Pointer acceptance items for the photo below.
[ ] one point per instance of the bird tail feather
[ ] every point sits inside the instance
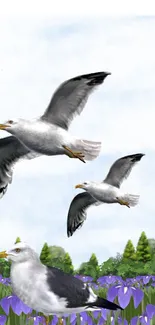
(90, 149)
(104, 303)
(131, 199)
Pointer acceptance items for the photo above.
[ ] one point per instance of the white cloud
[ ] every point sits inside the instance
(35, 56)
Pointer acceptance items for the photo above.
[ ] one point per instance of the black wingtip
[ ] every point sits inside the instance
(134, 157)
(95, 78)
(104, 303)
(137, 157)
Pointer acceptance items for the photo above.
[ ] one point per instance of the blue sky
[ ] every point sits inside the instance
(36, 55)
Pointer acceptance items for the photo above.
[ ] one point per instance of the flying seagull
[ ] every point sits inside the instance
(48, 135)
(48, 289)
(108, 191)
(11, 151)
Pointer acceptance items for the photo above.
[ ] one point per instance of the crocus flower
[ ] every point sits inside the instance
(124, 293)
(150, 310)
(6, 303)
(146, 279)
(3, 319)
(36, 320)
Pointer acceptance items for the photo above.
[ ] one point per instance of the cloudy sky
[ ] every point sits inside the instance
(37, 53)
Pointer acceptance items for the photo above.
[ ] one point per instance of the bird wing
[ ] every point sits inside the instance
(121, 169)
(11, 150)
(77, 211)
(70, 98)
(67, 286)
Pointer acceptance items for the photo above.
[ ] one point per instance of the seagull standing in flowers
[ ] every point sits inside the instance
(48, 134)
(107, 191)
(48, 289)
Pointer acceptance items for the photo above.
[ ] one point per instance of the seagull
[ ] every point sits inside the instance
(47, 289)
(107, 191)
(48, 134)
(11, 152)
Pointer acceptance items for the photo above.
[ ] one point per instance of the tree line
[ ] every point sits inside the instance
(133, 261)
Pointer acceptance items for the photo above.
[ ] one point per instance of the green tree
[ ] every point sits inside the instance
(129, 251)
(18, 240)
(5, 268)
(90, 268)
(152, 246)
(56, 256)
(143, 251)
(44, 255)
(67, 264)
(57, 252)
(110, 267)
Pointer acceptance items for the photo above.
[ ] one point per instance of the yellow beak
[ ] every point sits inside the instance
(79, 186)
(4, 126)
(3, 254)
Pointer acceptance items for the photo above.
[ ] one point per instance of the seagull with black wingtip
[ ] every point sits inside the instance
(107, 191)
(47, 289)
(48, 134)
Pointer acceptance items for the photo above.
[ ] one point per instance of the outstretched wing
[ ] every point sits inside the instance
(71, 97)
(121, 169)
(11, 150)
(77, 211)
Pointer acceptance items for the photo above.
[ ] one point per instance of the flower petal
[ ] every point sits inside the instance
(134, 320)
(3, 319)
(124, 295)
(112, 293)
(138, 296)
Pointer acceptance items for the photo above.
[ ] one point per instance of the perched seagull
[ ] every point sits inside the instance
(47, 289)
(11, 151)
(108, 191)
(48, 134)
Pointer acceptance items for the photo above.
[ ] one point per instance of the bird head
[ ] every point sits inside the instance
(11, 125)
(19, 253)
(85, 186)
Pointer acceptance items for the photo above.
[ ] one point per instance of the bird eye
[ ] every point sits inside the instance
(17, 250)
(85, 183)
(10, 122)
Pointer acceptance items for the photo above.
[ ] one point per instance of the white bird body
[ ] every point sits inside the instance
(104, 192)
(47, 289)
(43, 137)
(40, 299)
(48, 134)
(107, 191)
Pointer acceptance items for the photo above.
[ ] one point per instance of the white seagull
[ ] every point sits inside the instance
(47, 289)
(48, 134)
(11, 151)
(107, 191)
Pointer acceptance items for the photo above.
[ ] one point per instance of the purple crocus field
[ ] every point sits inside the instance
(135, 295)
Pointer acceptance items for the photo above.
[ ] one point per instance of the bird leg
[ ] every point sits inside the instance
(74, 154)
(60, 322)
(47, 320)
(120, 201)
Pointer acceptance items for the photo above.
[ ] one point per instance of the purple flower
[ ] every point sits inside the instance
(37, 319)
(5, 281)
(119, 321)
(146, 279)
(84, 278)
(3, 319)
(6, 303)
(124, 293)
(150, 310)
(16, 304)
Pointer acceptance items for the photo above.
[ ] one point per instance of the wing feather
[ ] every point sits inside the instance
(70, 98)
(121, 169)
